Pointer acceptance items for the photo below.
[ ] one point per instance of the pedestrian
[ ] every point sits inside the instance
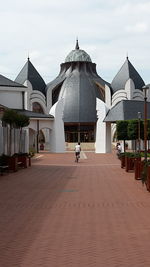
(77, 151)
(119, 149)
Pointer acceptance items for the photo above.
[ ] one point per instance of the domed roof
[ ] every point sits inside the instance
(78, 55)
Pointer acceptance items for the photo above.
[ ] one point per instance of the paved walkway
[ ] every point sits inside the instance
(59, 213)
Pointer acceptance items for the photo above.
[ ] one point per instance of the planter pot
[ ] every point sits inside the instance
(29, 159)
(138, 168)
(13, 163)
(129, 163)
(122, 161)
(23, 161)
(148, 179)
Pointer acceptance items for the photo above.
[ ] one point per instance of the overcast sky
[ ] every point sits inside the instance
(107, 30)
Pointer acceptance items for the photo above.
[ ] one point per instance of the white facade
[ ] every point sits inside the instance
(51, 128)
(103, 130)
(50, 131)
(129, 92)
(12, 97)
(57, 135)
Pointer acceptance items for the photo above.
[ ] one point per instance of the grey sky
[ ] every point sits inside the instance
(47, 30)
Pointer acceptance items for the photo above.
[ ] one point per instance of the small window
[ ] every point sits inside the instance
(37, 108)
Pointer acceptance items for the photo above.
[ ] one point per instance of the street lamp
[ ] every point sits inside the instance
(139, 131)
(145, 88)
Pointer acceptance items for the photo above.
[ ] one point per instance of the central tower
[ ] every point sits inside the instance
(79, 85)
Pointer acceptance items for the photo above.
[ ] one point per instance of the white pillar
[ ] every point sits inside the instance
(57, 134)
(26, 140)
(1, 138)
(103, 129)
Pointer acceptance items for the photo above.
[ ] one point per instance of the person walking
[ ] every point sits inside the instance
(77, 151)
(119, 149)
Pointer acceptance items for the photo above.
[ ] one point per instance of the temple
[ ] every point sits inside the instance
(77, 106)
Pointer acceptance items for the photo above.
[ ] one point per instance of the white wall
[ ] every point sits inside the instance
(107, 96)
(118, 96)
(103, 129)
(49, 98)
(57, 134)
(129, 88)
(11, 99)
(1, 139)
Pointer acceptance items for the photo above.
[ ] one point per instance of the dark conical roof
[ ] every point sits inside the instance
(9, 83)
(127, 72)
(29, 73)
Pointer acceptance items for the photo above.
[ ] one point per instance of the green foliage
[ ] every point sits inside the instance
(144, 173)
(14, 119)
(22, 121)
(10, 117)
(31, 152)
(132, 129)
(121, 155)
(128, 130)
(122, 130)
(132, 154)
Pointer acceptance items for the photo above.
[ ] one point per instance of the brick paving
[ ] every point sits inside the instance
(59, 213)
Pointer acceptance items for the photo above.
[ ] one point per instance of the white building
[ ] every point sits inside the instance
(78, 98)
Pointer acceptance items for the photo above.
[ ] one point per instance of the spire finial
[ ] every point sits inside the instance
(127, 55)
(77, 44)
(28, 56)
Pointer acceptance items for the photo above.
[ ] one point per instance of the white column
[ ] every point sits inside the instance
(1, 138)
(57, 134)
(26, 139)
(103, 129)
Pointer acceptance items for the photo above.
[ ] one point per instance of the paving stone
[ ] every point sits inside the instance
(61, 213)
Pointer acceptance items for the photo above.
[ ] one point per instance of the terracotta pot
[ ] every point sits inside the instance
(138, 168)
(148, 179)
(13, 163)
(129, 163)
(122, 161)
(23, 160)
(29, 158)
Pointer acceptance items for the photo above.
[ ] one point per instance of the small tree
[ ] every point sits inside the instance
(14, 120)
(21, 121)
(133, 130)
(9, 118)
(122, 131)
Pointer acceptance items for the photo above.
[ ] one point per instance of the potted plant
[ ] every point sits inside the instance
(13, 162)
(146, 175)
(122, 131)
(121, 156)
(138, 169)
(3, 164)
(23, 159)
(130, 158)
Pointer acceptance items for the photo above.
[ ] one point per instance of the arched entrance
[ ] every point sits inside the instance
(80, 132)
